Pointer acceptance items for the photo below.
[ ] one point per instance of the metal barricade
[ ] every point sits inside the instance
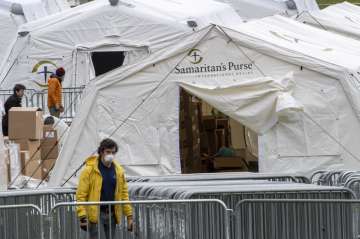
(34, 98)
(223, 176)
(348, 179)
(5, 94)
(21, 222)
(297, 219)
(165, 219)
(71, 100)
(39, 99)
(353, 183)
(42, 198)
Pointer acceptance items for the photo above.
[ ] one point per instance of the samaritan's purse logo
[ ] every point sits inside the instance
(230, 67)
(45, 69)
(195, 56)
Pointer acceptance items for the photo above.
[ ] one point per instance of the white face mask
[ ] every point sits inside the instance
(109, 158)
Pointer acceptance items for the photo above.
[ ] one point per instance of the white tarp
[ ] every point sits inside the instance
(343, 18)
(68, 38)
(253, 9)
(253, 102)
(139, 103)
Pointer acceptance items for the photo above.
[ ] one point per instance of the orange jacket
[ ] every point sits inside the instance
(54, 92)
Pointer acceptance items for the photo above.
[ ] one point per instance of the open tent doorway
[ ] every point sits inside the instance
(211, 141)
(106, 61)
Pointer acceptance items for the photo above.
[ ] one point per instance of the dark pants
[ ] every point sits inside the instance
(54, 112)
(5, 125)
(106, 224)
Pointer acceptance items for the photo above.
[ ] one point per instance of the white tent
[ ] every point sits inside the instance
(343, 18)
(34, 9)
(13, 13)
(262, 74)
(253, 9)
(70, 38)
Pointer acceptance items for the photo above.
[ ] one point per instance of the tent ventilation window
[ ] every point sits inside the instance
(106, 61)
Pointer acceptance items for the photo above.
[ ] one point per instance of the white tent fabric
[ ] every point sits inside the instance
(14, 13)
(146, 126)
(35, 9)
(343, 18)
(253, 9)
(325, 56)
(245, 73)
(8, 30)
(253, 102)
(90, 26)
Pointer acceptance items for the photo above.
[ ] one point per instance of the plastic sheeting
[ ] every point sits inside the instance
(15, 164)
(3, 163)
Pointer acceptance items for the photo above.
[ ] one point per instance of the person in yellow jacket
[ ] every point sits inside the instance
(55, 93)
(103, 180)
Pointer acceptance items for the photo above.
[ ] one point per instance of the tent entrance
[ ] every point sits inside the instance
(213, 142)
(106, 61)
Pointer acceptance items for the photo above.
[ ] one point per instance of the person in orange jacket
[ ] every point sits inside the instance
(55, 93)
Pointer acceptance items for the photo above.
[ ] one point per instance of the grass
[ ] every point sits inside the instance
(328, 2)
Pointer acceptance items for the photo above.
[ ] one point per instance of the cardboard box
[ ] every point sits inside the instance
(49, 144)
(25, 123)
(229, 162)
(28, 145)
(209, 123)
(49, 132)
(24, 157)
(47, 165)
(23, 143)
(33, 169)
(32, 146)
(49, 151)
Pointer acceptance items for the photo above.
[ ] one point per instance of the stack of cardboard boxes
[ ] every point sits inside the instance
(190, 118)
(38, 143)
(49, 149)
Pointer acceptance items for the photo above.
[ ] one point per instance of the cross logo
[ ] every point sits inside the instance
(44, 68)
(195, 56)
(45, 72)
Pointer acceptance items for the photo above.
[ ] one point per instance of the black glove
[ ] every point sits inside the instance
(83, 223)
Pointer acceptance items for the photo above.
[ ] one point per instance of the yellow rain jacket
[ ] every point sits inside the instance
(89, 190)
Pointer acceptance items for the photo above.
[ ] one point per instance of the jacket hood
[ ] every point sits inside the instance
(93, 161)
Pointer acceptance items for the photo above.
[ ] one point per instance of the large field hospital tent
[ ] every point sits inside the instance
(253, 9)
(96, 37)
(343, 18)
(300, 93)
(13, 13)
